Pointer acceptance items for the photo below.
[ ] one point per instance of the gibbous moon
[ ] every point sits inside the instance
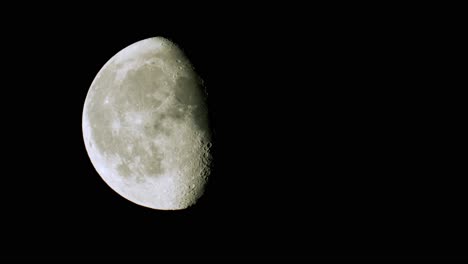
(145, 126)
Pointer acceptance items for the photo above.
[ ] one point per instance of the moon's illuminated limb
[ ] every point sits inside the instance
(145, 126)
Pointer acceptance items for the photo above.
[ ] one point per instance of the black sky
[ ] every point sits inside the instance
(334, 137)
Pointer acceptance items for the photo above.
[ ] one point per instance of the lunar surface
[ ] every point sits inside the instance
(145, 126)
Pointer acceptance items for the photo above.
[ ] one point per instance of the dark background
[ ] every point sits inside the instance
(336, 135)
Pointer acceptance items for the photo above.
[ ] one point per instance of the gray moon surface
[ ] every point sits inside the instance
(146, 128)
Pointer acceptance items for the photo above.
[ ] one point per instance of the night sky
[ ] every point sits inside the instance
(334, 137)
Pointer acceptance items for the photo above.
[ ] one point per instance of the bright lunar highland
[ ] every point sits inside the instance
(146, 128)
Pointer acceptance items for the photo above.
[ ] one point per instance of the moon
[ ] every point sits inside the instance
(146, 128)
